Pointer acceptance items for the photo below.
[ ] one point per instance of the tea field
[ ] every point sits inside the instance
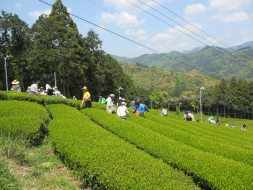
(107, 152)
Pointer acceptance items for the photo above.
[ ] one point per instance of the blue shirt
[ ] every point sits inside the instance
(140, 108)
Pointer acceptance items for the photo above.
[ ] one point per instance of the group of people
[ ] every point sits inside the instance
(243, 127)
(36, 90)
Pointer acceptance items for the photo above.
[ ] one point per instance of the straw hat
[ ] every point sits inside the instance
(84, 88)
(123, 103)
(15, 82)
(112, 95)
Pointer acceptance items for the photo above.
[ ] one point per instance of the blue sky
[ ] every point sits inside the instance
(229, 21)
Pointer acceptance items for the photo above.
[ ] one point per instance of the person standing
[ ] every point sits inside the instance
(15, 86)
(34, 88)
(122, 110)
(164, 112)
(110, 107)
(86, 98)
(139, 109)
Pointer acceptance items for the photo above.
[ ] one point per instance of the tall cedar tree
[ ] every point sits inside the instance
(14, 41)
(58, 47)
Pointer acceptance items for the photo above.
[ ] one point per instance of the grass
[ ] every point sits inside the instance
(33, 167)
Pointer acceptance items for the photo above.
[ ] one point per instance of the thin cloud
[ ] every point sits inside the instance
(35, 14)
(139, 34)
(233, 17)
(122, 19)
(224, 5)
(194, 9)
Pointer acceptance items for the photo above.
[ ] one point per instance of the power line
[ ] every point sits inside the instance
(186, 21)
(133, 41)
(229, 53)
(199, 36)
(204, 32)
(166, 23)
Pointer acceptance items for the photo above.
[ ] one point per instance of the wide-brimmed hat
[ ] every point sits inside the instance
(111, 95)
(84, 88)
(15, 82)
(123, 103)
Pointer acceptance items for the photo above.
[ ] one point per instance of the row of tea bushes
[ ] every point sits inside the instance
(215, 172)
(198, 140)
(20, 118)
(41, 99)
(105, 160)
(213, 133)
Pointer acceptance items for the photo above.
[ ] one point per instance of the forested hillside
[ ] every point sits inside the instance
(176, 83)
(219, 63)
(54, 45)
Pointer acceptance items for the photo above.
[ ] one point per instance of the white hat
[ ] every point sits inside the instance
(111, 95)
(123, 103)
(15, 82)
(84, 88)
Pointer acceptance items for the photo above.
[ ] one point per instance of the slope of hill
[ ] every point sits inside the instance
(152, 78)
(216, 61)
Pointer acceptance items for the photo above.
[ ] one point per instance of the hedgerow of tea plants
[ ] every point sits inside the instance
(41, 99)
(26, 119)
(216, 146)
(210, 170)
(106, 161)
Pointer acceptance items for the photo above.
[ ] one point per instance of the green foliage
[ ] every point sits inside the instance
(23, 119)
(14, 41)
(7, 181)
(205, 167)
(106, 161)
(152, 80)
(41, 99)
(176, 129)
(54, 45)
(214, 60)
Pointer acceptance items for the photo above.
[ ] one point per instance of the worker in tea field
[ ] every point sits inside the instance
(15, 86)
(86, 98)
(244, 127)
(122, 110)
(110, 107)
(139, 109)
(164, 112)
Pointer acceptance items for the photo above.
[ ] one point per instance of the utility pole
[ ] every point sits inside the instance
(55, 82)
(200, 101)
(6, 75)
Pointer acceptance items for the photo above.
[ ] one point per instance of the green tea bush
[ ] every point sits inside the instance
(41, 99)
(212, 171)
(25, 119)
(106, 161)
(216, 146)
(214, 133)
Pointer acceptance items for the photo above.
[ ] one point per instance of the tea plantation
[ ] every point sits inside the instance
(154, 152)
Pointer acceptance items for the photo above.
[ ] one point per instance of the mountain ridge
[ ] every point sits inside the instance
(216, 61)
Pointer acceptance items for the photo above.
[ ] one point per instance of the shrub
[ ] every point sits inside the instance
(211, 171)
(106, 161)
(25, 119)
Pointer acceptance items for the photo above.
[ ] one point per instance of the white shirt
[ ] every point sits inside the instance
(122, 111)
(164, 112)
(109, 102)
(34, 88)
(191, 115)
(48, 87)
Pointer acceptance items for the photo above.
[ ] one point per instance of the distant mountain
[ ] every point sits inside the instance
(217, 62)
(245, 45)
